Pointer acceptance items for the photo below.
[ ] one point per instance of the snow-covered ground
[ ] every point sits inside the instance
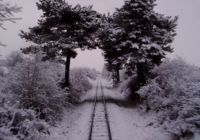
(76, 121)
(126, 122)
(75, 124)
(129, 124)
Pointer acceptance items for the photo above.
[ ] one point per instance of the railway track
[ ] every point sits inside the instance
(100, 126)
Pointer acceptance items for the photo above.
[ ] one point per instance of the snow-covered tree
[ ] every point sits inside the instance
(111, 37)
(148, 36)
(7, 14)
(34, 84)
(14, 58)
(61, 30)
(29, 96)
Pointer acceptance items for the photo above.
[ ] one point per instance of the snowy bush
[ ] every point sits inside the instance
(174, 94)
(106, 74)
(14, 58)
(90, 73)
(80, 81)
(5, 134)
(31, 99)
(21, 124)
(124, 86)
(1, 81)
(2, 73)
(35, 85)
(25, 125)
(127, 83)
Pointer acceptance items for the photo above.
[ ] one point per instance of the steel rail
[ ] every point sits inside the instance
(106, 112)
(93, 112)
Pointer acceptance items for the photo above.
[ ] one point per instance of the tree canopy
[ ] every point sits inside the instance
(141, 37)
(62, 29)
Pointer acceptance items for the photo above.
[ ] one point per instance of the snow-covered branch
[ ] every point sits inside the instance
(7, 12)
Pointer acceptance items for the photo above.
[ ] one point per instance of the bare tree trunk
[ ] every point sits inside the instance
(118, 76)
(67, 70)
(142, 74)
(113, 76)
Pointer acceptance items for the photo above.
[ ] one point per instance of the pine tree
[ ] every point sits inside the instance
(61, 30)
(110, 37)
(148, 36)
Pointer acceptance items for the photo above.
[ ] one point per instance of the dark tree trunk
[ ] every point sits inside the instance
(113, 76)
(142, 74)
(117, 76)
(67, 69)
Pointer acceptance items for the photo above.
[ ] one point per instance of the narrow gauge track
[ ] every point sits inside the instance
(100, 126)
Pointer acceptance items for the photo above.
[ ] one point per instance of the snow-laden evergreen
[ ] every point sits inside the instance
(62, 29)
(111, 38)
(137, 38)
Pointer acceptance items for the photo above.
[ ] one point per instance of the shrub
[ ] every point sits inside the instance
(106, 74)
(21, 124)
(30, 99)
(14, 58)
(124, 86)
(174, 94)
(35, 85)
(80, 83)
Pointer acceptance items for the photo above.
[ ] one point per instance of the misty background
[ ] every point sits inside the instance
(186, 42)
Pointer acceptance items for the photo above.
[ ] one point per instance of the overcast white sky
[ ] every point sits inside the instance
(186, 43)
